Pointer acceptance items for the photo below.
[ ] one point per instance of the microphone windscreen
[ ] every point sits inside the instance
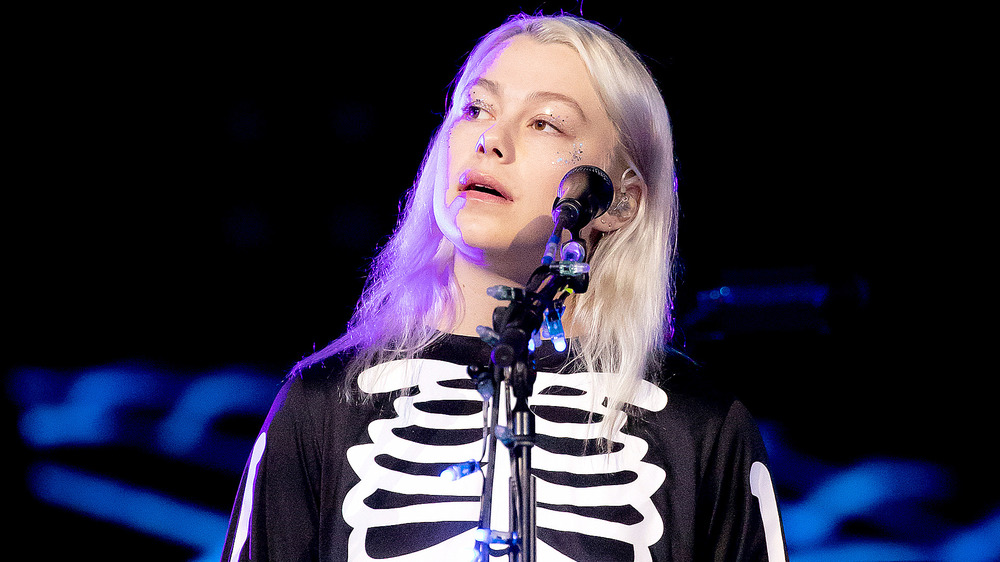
(590, 187)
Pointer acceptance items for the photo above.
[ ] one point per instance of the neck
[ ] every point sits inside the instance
(477, 306)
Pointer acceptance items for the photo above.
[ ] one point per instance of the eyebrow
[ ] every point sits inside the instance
(540, 95)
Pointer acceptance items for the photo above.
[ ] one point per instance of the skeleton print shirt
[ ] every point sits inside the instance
(331, 479)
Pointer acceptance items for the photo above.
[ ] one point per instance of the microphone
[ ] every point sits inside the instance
(585, 192)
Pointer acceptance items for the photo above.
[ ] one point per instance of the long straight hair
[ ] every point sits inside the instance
(624, 321)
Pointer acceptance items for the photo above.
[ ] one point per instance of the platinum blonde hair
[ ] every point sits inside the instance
(624, 320)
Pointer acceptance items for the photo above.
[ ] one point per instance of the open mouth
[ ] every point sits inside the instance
(484, 189)
(476, 182)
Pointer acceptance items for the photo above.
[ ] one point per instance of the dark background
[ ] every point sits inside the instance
(196, 188)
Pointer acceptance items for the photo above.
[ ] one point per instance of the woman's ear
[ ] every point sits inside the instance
(625, 205)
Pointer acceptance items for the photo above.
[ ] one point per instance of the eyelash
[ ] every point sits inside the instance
(476, 106)
(472, 109)
(547, 122)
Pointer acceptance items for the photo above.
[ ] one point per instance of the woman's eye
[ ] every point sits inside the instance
(543, 125)
(476, 110)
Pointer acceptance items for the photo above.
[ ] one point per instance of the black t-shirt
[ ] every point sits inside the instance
(333, 479)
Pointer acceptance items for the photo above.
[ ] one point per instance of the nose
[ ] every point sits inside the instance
(491, 142)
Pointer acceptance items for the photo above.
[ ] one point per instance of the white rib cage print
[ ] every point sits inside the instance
(593, 506)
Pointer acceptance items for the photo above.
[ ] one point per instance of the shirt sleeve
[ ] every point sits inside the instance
(276, 509)
(737, 499)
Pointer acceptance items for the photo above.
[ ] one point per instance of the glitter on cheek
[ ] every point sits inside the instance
(574, 156)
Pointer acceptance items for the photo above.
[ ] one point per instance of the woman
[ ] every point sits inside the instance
(636, 458)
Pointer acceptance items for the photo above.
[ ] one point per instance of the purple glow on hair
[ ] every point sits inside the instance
(446, 216)
(412, 291)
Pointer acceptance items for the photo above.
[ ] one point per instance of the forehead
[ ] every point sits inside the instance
(524, 67)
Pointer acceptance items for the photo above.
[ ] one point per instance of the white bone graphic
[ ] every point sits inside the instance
(425, 375)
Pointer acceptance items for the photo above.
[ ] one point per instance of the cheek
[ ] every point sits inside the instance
(570, 157)
(463, 139)
(551, 159)
(573, 153)
(580, 152)
(454, 168)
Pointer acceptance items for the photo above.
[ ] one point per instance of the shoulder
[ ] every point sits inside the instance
(321, 380)
(701, 410)
(308, 394)
(689, 386)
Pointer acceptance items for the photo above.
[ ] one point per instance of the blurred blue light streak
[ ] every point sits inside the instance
(145, 511)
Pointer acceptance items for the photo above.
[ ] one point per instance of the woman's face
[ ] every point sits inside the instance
(527, 120)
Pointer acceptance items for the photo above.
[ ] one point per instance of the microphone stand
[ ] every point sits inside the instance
(516, 331)
(584, 192)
